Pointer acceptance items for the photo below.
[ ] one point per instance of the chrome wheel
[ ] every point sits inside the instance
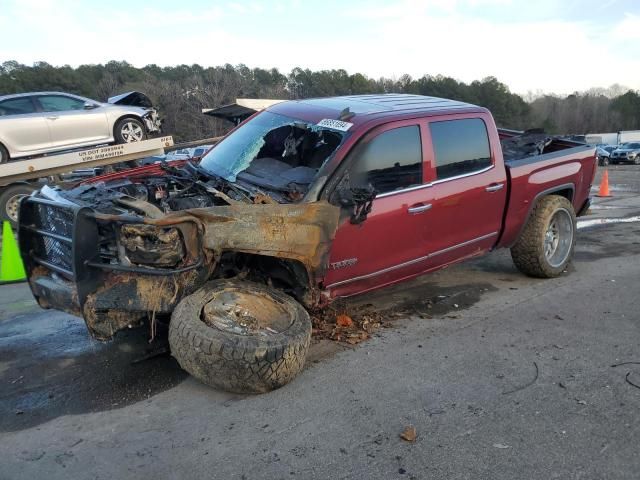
(558, 238)
(11, 207)
(131, 132)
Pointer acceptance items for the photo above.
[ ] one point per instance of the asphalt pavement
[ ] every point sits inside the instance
(502, 377)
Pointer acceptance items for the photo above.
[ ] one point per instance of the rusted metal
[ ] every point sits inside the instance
(150, 245)
(301, 232)
(246, 312)
(125, 299)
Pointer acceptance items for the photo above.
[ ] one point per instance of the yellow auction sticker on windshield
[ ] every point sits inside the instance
(335, 124)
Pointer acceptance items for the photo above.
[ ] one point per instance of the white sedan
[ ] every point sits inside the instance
(45, 122)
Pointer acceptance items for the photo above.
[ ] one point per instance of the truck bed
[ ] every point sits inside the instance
(556, 147)
(565, 167)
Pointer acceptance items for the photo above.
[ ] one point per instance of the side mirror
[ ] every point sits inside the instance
(90, 106)
(359, 200)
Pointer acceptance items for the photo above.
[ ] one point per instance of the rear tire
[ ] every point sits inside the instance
(546, 245)
(129, 130)
(240, 336)
(10, 201)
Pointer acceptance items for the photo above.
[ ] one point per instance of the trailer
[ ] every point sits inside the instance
(626, 136)
(19, 178)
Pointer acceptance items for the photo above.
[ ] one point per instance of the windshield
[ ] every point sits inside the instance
(631, 145)
(273, 151)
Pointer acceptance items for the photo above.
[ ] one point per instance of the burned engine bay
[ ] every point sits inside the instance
(279, 171)
(245, 198)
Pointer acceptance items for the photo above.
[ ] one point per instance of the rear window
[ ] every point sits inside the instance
(17, 106)
(390, 161)
(460, 146)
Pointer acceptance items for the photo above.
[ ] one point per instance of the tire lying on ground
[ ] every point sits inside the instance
(546, 244)
(240, 336)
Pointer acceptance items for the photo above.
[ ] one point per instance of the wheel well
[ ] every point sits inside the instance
(6, 150)
(566, 193)
(124, 117)
(290, 276)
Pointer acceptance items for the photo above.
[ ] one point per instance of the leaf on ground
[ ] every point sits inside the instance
(409, 434)
(343, 320)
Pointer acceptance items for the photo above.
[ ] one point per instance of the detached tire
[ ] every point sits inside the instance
(546, 244)
(240, 336)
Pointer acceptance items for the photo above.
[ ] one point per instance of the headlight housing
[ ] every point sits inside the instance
(151, 245)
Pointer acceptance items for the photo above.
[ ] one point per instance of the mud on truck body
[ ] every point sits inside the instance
(302, 203)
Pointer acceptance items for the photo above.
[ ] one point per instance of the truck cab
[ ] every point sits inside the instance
(440, 196)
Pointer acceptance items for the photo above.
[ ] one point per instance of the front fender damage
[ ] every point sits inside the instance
(301, 232)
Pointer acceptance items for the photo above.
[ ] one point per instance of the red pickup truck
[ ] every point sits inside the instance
(304, 202)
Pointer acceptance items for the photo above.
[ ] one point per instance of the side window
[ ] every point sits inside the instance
(17, 106)
(460, 147)
(58, 103)
(391, 161)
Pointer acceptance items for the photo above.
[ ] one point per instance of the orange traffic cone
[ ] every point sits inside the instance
(604, 185)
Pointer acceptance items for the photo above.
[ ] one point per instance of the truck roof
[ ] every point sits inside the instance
(366, 107)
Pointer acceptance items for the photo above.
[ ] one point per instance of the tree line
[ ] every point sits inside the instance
(181, 92)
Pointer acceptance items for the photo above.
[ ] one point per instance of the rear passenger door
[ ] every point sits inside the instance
(389, 244)
(468, 189)
(22, 129)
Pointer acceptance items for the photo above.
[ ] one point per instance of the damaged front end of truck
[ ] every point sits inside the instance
(119, 250)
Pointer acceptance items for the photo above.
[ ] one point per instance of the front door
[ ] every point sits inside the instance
(389, 244)
(71, 123)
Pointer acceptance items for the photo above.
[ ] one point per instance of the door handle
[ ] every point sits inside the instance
(53, 118)
(419, 208)
(495, 187)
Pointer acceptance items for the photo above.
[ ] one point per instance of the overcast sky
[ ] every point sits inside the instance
(554, 46)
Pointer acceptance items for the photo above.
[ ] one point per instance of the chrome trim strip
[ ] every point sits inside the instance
(436, 182)
(464, 175)
(415, 260)
(404, 190)
(463, 244)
